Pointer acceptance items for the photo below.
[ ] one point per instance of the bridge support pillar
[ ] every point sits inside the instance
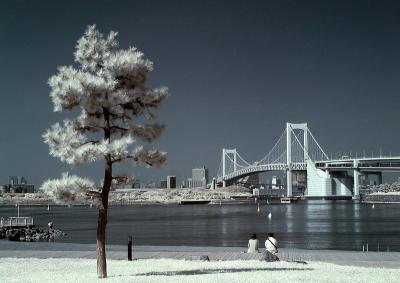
(289, 183)
(356, 186)
(356, 177)
(289, 159)
(379, 178)
(224, 184)
(213, 184)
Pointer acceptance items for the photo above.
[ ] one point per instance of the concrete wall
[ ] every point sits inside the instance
(342, 184)
(319, 183)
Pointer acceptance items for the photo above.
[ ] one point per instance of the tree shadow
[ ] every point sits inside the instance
(215, 271)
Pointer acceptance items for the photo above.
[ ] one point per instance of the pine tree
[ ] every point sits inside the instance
(108, 88)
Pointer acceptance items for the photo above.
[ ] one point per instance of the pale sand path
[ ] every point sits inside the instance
(67, 250)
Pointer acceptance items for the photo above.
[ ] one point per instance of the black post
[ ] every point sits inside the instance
(130, 248)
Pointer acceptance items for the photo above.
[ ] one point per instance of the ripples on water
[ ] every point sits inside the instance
(310, 225)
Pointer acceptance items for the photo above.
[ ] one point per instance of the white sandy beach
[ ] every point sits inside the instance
(172, 270)
(63, 262)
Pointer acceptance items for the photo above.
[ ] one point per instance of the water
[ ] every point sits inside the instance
(309, 225)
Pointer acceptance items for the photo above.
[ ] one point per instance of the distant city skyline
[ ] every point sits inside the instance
(237, 72)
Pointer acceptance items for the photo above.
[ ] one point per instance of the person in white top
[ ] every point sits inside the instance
(271, 244)
(252, 246)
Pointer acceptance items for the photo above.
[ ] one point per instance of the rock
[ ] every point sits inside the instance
(29, 233)
(204, 258)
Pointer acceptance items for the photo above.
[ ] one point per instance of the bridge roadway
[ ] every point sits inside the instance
(373, 164)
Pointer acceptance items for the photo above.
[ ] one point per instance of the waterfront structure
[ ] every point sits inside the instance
(163, 184)
(171, 182)
(298, 152)
(17, 184)
(275, 182)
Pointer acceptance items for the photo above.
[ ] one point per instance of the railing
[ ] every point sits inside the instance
(16, 221)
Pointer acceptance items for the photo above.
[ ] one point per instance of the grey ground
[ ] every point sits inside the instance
(67, 250)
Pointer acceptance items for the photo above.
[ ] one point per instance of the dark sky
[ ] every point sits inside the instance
(237, 72)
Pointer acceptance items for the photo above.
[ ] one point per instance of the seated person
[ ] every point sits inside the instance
(271, 244)
(271, 249)
(253, 244)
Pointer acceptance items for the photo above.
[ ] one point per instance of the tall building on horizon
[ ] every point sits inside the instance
(199, 177)
(17, 184)
(171, 182)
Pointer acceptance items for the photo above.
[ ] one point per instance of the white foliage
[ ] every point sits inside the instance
(71, 87)
(147, 132)
(110, 89)
(129, 64)
(152, 157)
(92, 49)
(71, 146)
(68, 189)
(90, 121)
(118, 149)
(154, 98)
(88, 152)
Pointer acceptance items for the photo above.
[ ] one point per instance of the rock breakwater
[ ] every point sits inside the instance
(29, 234)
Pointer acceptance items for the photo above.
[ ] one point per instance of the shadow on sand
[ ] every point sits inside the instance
(219, 270)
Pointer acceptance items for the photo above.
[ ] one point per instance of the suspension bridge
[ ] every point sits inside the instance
(298, 152)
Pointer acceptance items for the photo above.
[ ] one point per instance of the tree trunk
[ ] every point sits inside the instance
(103, 206)
(101, 243)
(102, 222)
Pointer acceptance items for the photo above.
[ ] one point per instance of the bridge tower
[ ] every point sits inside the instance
(289, 131)
(225, 155)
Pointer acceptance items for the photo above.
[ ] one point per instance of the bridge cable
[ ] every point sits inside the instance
(262, 160)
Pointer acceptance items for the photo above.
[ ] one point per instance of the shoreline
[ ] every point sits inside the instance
(211, 202)
(119, 252)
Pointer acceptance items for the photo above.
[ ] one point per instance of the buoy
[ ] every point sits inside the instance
(91, 205)
(48, 207)
(269, 216)
(258, 208)
(373, 205)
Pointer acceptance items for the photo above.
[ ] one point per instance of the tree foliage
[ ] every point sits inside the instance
(108, 83)
(116, 112)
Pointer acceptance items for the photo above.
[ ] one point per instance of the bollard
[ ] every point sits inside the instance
(130, 248)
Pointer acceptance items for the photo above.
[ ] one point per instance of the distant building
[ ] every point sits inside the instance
(18, 184)
(136, 185)
(171, 182)
(299, 178)
(256, 192)
(276, 182)
(189, 183)
(199, 178)
(150, 185)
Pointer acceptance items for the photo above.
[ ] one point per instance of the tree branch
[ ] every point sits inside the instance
(118, 128)
(89, 128)
(92, 142)
(120, 159)
(94, 194)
